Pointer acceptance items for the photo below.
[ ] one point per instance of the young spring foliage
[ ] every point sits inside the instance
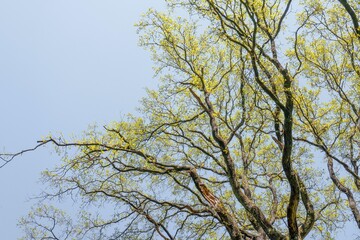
(253, 132)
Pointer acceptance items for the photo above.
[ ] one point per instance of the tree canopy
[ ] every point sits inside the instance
(253, 132)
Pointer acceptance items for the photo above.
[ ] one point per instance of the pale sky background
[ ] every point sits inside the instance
(64, 64)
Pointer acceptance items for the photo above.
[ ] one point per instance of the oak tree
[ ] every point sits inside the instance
(253, 132)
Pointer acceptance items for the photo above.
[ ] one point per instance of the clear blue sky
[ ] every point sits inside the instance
(63, 65)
